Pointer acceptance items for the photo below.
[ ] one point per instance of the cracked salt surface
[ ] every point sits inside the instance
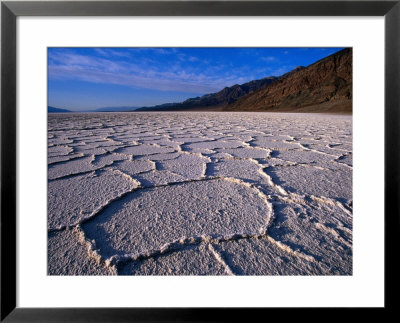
(149, 219)
(199, 194)
(74, 199)
(68, 255)
(193, 260)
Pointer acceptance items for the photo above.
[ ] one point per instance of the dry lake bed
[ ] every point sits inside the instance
(199, 193)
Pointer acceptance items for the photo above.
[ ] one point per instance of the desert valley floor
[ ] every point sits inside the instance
(199, 193)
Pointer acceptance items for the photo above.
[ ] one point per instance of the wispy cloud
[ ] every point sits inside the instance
(268, 58)
(107, 52)
(69, 65)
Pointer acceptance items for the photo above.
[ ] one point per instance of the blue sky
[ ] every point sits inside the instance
(89, 78)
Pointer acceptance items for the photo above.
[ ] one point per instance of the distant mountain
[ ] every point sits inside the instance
(56, 110)
(325, 86)
(114, 109)
(222, 98)
(159, 107)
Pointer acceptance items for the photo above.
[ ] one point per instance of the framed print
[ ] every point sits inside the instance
(195, 151)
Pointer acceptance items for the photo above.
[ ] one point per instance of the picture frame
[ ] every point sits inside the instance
(10, 10)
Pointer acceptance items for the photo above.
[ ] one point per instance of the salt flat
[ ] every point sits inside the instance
(199, 193)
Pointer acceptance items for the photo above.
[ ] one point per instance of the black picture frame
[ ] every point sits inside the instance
(10, 10)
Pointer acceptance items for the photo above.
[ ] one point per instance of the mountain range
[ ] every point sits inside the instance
(226, 96)
(324, 86)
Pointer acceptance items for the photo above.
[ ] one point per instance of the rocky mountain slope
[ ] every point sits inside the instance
(325, 86)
